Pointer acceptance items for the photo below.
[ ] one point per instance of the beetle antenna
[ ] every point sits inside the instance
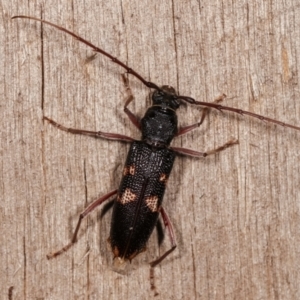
(152, 85)
(237, 110)
(149, 84)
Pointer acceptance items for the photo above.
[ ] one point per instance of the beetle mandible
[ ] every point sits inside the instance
(138, 200)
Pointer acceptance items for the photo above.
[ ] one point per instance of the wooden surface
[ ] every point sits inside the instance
(236, 215)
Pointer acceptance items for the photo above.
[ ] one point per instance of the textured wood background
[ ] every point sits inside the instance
(236, 215)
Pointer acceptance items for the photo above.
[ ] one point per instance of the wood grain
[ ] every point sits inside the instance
(236, 215)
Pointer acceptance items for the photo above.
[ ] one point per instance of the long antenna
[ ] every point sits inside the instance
(238, 111)
(149, 84)
(152, 85)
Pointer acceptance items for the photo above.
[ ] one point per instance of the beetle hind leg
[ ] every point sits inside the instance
(169, 226)
(89, 209)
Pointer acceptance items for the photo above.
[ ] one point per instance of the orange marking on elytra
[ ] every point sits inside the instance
(163, 178)
(129, 170)
(152, 203)
(126, 197)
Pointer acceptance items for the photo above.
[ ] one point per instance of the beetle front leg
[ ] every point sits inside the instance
(89, 209)
(205, 110)
(132, 117)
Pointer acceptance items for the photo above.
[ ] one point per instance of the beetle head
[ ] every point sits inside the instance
(166, 97)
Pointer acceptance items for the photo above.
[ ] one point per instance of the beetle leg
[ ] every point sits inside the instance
(194, 153)
(96, 134)
(205, 110)
(89, 209)
(132, 117)
(169, 226)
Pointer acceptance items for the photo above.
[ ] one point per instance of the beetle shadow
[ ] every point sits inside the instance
(160, 232)
(106, 207)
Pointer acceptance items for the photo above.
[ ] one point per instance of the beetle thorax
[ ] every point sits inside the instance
(159, 126)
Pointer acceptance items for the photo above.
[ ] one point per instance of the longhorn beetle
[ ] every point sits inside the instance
(138, 200)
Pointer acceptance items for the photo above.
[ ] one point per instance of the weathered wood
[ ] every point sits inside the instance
(236, 215)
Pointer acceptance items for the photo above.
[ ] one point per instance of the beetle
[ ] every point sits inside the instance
(138, 200)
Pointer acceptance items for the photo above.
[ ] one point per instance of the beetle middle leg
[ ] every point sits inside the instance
(194, 153)
(96, 134)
